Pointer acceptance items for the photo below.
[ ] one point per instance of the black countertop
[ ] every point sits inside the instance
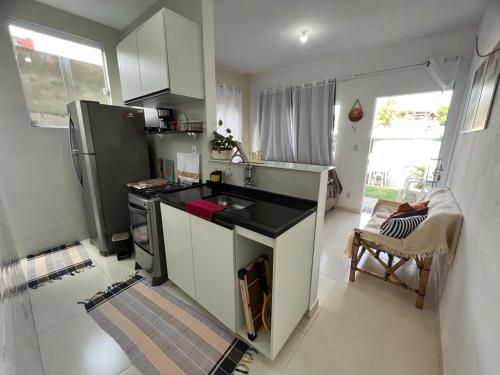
(271, 215)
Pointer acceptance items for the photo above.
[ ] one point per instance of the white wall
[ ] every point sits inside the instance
(470, 303)
(296, 183)
(37, 184)
(188, 8)
(351, 164)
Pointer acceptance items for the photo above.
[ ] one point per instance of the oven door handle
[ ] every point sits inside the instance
(136, 208)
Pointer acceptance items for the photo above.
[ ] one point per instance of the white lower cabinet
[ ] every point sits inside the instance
(203, 259)
(178, 249)
(213, 253)
(200, 261)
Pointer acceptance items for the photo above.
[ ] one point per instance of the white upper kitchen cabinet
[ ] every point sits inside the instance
(128, 64)
(213, 254)
(185, 55)
(151, 44)
(169, 58)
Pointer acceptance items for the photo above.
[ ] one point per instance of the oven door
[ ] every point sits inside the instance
(140, 227)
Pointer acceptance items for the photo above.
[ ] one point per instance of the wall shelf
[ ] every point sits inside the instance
(282, 165)
(189, 133)
(177, 132)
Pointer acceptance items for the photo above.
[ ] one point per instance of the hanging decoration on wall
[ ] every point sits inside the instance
(356, 112)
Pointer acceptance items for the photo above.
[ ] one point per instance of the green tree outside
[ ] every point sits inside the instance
(386, 114)
(442, 115)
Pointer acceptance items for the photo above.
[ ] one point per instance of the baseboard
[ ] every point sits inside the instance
(437, 280)
(440, 342)
(312, 310)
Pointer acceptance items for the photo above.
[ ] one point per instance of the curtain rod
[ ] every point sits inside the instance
(383, 71)
(394, 69)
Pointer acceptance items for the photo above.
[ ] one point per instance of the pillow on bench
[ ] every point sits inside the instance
(402, 226)
(417, 212)
(409, 209)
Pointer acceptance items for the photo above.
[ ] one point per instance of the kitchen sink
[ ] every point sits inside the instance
(230, 201)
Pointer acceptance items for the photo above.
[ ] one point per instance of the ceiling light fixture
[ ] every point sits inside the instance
(303, 36)
(27, 59)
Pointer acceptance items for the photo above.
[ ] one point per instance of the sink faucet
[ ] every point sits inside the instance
(248, 177)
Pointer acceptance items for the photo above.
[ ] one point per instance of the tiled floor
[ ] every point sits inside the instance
(364, 328)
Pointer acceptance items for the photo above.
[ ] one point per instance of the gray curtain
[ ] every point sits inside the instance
(296, 124)
(313, 118)
(277, 135)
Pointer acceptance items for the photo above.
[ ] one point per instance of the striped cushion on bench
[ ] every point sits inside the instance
(401, 227)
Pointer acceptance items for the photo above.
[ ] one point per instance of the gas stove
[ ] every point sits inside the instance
(154, 193)
(146, 228)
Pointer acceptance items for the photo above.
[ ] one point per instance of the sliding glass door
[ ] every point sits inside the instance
(404, 157)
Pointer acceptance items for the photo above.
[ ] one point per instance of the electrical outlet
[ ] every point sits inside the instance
(193, 149)
(355, 148)
(348, 195)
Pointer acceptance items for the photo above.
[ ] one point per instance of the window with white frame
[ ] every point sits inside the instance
(229, 110)
(55, 69)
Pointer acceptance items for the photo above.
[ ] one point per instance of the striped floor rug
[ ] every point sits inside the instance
(56, 262)
(163, 335)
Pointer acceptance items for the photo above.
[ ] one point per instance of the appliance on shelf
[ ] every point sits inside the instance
(146, 228)
(108, 149)
(165, 115)
(162, 120)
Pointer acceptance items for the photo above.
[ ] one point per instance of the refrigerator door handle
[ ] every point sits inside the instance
(72, 147)
(74, 152)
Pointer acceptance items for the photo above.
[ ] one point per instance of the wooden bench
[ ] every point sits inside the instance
(439, 233)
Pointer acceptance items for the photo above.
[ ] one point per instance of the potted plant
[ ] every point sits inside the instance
(222, 146)
(418, 174)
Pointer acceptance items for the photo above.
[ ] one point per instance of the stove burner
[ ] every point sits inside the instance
(156, 191)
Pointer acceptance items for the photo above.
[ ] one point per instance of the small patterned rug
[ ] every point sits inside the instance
(56, 262)
(163, 335)
(12, 280)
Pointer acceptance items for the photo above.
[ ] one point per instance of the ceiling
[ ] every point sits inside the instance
(258, 35)
(114, 13)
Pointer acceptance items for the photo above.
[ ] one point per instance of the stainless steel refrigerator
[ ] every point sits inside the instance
(109, 150)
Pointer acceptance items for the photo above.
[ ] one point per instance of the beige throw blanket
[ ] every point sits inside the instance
(439, 233)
